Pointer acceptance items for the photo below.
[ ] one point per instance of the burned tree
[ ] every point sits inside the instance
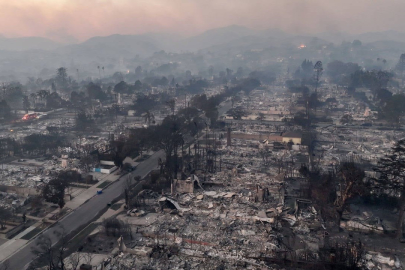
(116, 227)
(392, 178)
(170, 138)
(350, 184)
(322, 191)
(318, 68)
(265, 154)
(50, 253)
(130, 190)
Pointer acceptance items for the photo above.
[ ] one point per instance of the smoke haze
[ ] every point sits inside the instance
(77, 20)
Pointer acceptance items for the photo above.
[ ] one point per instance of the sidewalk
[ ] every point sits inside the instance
(88, 193)
(13, 245)
(10, 247)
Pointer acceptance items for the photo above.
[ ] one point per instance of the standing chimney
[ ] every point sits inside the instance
(228, 138)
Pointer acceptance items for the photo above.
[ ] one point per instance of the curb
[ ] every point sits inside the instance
(57, 221)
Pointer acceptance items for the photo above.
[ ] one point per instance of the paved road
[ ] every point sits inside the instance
(85, 213)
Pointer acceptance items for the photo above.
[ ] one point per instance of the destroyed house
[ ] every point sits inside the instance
(7, 146)
(185, 186)
(293, 136)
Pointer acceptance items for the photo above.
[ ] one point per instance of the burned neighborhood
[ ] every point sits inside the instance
(230, 148)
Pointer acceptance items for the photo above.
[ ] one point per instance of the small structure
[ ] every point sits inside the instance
(142, 251)
(64, 161)
(106, 166)
(185, 186)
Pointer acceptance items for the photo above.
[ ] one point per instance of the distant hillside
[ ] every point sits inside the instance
(227, 46)
(379, 36)
(27, 43)
(122, 44)
(215, 37)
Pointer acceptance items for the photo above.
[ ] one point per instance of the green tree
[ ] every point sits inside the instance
(237, 113)
(340, 72)
(5, 110)
(394, 109)
(5, 214)
(121, 87)
(248, 85)
(138, 71)
(94, 91)
(83, 121)
(138, 85)
(400, 67)
(54, 191)
(356, 43)
(144, 103)
(26, 103)
(54, 101)
(62, 77)
(164, 81)
(307, 68)
(383, 95)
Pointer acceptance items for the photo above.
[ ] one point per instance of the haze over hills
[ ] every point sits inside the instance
(33, 56)
(27, 43)
(146, 44)
(115, 44)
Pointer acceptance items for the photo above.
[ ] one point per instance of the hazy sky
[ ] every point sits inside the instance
(81, 19)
